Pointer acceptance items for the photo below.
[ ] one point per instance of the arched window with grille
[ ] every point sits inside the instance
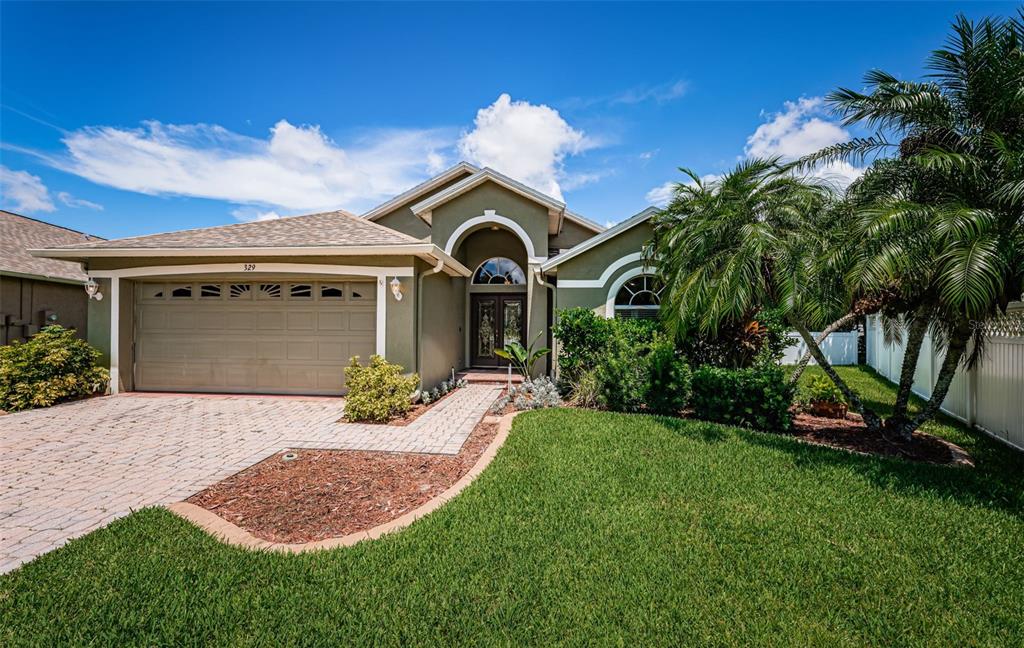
(639, 297)
(499, 271)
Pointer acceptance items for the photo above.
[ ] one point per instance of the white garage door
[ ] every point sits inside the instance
(266, 336)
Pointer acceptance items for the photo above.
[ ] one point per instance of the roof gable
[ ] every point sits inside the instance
(459, 170)
(606, 235)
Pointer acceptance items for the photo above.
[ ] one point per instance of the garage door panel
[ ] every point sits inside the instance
(247, 344)
(362, 321)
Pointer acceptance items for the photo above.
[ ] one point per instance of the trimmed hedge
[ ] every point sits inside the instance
(759, 397)
(377, 392)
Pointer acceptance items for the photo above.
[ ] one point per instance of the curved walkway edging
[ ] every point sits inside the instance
(233, 534)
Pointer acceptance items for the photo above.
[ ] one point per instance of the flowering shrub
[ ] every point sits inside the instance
(50, 367)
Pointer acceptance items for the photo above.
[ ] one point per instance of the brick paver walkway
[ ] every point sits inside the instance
(69, 469)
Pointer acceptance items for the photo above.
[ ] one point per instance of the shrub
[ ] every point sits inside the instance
(820, 389)
(377, 392)
(668, 383)
(531, 394)
(587, 389)
(623, 374)
(582, 340)
(50, 367)
(758, 397)
(758, 339)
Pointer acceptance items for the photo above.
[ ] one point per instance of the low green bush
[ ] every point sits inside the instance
(51, 367)
(759, 397)
(821, 389)
(642, 371)
(582, 340)
(668, 386)
(377, 392)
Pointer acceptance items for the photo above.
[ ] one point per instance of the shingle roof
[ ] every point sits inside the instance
(18, 234)
(327, 229)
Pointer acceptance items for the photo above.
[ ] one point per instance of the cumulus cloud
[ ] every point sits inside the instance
(23, 192)
(801, 129)
(77, 203)
(295, 168)
(526, 141)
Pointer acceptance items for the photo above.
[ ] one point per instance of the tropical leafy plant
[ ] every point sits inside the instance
(523, 359)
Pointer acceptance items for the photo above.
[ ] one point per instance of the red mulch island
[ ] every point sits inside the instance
(851, 434)
(332, 493)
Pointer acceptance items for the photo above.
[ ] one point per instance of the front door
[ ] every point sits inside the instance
(496, 320)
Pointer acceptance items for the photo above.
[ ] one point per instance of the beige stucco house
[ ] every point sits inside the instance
(435, 279)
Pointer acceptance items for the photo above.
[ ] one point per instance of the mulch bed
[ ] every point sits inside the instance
(332, 493)
(851, 434)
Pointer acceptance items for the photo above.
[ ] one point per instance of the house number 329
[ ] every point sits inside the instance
(248, 267)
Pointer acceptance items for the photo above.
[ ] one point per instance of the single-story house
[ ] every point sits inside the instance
(435, 279)
(36, 291)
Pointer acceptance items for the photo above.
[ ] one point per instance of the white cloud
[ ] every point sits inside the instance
(75, 203)
(525, 141)
(252, 215)
(799, 130)
(23, 192)
(296, 168)
(661, 93)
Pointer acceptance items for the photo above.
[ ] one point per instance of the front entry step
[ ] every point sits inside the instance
(488, 376)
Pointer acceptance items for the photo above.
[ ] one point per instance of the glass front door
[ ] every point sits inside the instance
(496, 320)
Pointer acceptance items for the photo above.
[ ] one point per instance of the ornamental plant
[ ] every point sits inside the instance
(758, 397)
(51, 367)
(379, 391)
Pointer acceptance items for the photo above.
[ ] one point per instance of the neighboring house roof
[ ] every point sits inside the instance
(327, 233)
(594, 241)
(460, 169)
(19, 234)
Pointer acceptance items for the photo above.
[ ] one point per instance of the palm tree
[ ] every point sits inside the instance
(759, 237)
(942, 223)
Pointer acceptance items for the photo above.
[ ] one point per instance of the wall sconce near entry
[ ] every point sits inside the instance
(93, 289)
(396, 289)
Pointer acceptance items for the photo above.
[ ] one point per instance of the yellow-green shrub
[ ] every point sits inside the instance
(50, 367)
(377, 392)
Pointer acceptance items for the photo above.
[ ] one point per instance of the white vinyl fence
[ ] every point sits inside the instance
(839, 349)
(990, 396)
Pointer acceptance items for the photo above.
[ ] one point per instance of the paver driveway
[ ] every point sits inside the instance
(69, 469)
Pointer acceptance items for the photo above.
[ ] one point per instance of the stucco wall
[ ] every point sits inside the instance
(590, 265)
(530, 216)
(402, 219)
(572, 234)
(442, 334)
(27, 299)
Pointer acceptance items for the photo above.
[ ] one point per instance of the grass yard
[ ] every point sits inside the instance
(588, 528)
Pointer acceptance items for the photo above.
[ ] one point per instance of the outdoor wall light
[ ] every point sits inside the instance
(396, 289)
(93, 289)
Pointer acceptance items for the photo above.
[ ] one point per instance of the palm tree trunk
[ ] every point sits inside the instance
(829, 330)
(955, 350)
(871, 419)
(897, 423)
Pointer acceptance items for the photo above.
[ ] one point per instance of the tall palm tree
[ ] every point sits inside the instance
(942, 223)
(758, 237)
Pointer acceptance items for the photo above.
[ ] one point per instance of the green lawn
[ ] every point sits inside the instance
(589, 528)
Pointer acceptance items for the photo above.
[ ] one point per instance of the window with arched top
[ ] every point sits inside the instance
(639, 297)
(499, 271)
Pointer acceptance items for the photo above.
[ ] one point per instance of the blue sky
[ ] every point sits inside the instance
(124, 119)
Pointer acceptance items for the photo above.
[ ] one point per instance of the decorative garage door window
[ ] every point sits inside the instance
(639, 297)
(499, 271)
(334, 291)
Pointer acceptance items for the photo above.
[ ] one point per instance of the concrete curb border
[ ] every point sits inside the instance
(233, 534)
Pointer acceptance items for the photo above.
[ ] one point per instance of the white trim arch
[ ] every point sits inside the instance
(490, 217)
(609, 304)
(605, 276)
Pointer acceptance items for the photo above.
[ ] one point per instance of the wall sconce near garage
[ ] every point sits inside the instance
(396, 289)
(93, 289)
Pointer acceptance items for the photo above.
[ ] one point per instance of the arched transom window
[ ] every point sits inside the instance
(639, 297)
(499, 271)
